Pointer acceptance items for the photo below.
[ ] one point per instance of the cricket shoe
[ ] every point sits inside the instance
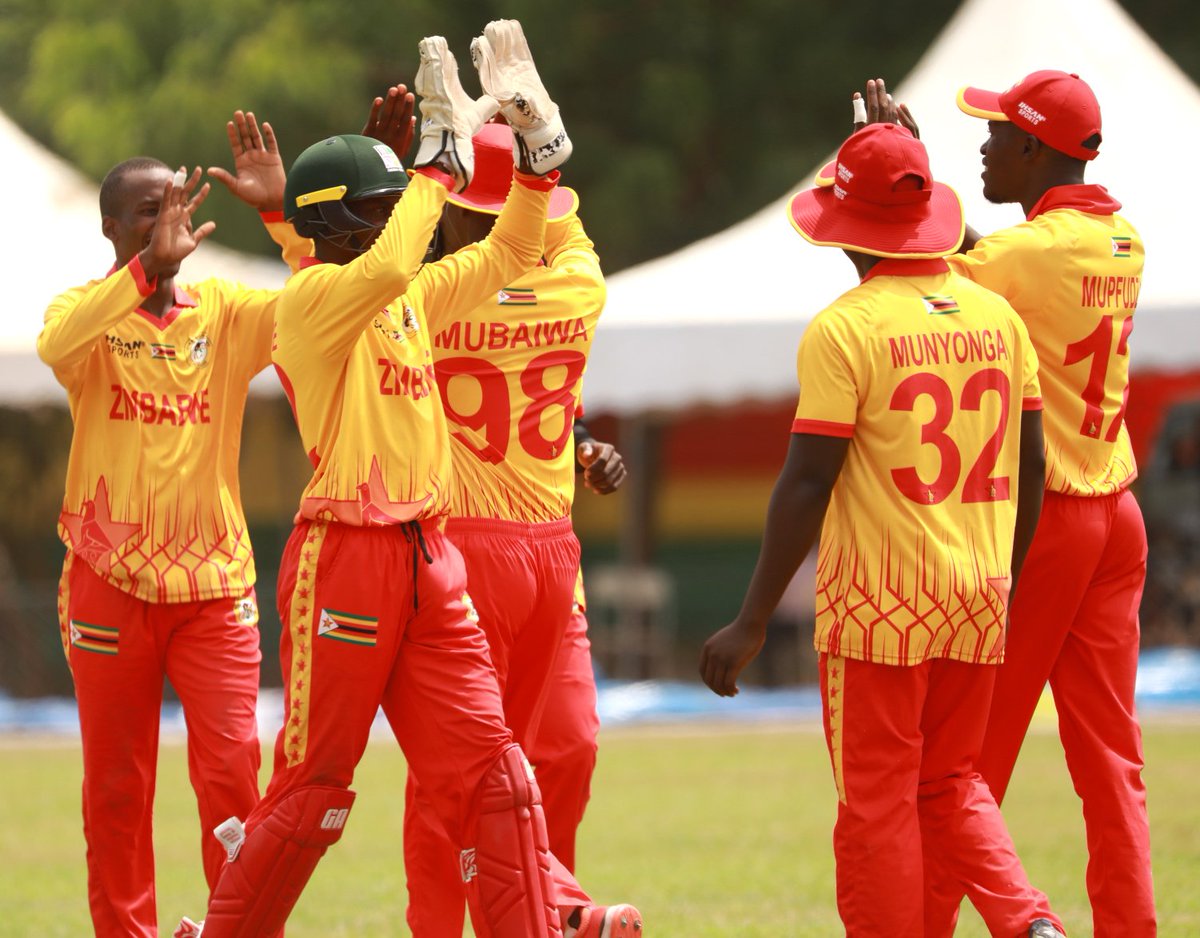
(607, 921)
(188, 929)
(1044, 928)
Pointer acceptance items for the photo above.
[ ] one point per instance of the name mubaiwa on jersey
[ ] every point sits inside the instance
(476, 336)
(944, 348)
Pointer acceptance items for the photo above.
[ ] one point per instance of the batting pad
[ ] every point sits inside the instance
(256, 892)
(510, 891)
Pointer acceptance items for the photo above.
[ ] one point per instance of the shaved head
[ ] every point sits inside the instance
(112, 188)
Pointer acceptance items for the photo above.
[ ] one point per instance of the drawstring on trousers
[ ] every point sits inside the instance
(415, 536)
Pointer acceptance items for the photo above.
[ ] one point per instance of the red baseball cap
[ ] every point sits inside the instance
(879, 197)
(1058, 108)
(493, 177)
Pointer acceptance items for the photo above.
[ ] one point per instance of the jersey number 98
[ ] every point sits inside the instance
(491, 421)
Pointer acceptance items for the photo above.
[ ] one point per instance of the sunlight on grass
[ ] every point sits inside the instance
(711, 831)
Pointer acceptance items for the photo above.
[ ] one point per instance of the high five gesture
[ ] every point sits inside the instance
(173, 238)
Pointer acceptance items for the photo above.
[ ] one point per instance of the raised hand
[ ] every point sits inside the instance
(173, 238)
(881, 108)
(449, 117)
(260, 176)
(506, 72)
(391, 120)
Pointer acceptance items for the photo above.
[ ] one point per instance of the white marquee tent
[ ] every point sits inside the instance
(52, 241)
(719, 321)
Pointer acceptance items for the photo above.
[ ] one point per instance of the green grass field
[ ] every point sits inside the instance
(713, 831)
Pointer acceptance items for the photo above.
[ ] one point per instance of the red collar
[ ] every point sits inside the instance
(905, 267)
(181, 301)
(310, 261)
(1092, 199)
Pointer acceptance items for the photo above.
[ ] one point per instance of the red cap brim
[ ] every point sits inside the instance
(980, 103)
(821, 217)
(826, 174)
(563, 202)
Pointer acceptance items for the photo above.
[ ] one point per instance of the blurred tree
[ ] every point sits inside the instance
(687, 116)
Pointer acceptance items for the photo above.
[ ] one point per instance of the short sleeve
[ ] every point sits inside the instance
(1031, 388)
(828, 368)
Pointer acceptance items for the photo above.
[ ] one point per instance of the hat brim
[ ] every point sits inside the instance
(821, 218)
(564, 201)
(826, 175)
(980, 103)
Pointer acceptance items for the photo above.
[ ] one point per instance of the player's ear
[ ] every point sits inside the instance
(108, 227)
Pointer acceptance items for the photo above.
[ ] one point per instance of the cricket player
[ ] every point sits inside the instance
(510, 372)
(159, 577)
(563, 753)
(917, 452)
(1072, 271)
(372, 593)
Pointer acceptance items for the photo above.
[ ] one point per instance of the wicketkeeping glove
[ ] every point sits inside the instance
(449, 118)
(507, 73)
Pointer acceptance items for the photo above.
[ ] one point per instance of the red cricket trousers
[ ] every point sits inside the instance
(902, 741)
(564, 752)
(355, 638)
(119, 649)
(1075, 623)
(368, 623)
(522, 582)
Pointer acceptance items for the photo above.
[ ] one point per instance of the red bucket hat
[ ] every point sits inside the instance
(1058, 108)
(493, 177)
(879, 197)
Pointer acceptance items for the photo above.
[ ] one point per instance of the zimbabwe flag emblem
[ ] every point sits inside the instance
(165, 352)
(100, 639)
(1121, 246)
(940, 305)
(516, 296)
(348, 627)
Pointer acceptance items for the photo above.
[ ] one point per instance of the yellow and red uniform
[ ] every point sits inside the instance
(924, 572)
(366, 622)
(159, 574)
(167, 394)
(926, 375)
(1072, 271)
(510, 372)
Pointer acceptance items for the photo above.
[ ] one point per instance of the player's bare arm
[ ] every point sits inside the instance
(392, 119)
(970, 237)
(173, 237)
(258, 178)
(794, 519)
(1031, 483)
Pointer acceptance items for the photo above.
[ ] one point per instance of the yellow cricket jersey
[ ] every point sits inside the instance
(1073, 271)
(152, 500)
(510, 372)
(353, 351)
(926, 374)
